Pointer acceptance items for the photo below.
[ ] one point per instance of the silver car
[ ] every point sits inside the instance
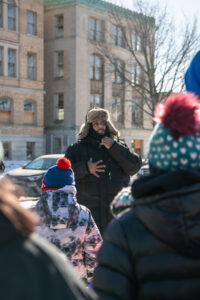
(29, 177)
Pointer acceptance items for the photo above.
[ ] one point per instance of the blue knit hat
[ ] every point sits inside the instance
(192, 75)
(175, 141)
(60, 175)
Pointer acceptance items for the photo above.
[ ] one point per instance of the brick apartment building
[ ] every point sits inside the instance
(77, 76)
(21, 78)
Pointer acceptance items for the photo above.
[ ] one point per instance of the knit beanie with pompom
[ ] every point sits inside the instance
(60, 175)
(175, 141)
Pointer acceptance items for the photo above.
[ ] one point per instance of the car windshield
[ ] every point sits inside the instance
(41, 163)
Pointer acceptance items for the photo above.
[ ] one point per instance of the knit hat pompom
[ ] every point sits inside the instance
(175, 141)
(180, 113)
(63, 163)
(59, 175)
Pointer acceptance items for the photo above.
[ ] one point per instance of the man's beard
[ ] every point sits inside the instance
(98, 136)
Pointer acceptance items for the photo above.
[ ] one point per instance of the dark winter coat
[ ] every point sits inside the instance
(97, 193)
(33, 269)
(152, 251)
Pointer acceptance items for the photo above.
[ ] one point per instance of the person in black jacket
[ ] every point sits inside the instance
(31, 268)
(102, 165)
(152, 251)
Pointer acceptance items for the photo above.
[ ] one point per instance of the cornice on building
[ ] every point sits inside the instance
(100, 5)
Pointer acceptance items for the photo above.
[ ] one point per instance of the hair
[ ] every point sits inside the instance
(23, 220)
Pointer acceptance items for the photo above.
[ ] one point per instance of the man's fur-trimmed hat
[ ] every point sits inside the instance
(97, 114)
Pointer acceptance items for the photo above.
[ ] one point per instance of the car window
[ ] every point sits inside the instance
(41, 164)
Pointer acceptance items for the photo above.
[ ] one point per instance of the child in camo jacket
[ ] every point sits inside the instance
(65, 223)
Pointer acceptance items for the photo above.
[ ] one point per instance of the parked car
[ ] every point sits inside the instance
(29, 177)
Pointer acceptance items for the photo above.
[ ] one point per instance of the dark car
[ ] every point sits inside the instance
(29, 177)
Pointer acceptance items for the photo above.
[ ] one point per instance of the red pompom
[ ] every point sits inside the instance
(63, 163)
(180, 113)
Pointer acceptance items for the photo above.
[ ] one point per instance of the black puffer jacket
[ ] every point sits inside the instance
(33, 269)
(152, 251)
(97, 193)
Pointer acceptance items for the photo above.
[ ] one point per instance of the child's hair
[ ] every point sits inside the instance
(23, 220)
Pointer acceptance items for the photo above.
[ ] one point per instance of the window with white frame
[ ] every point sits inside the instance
(118, 71)
(95, 100)
(135, 74)
(59, 26)
(8, 60)
(29, 111)
(117, 109)
(12, 62)
(11, 14)
(117, 36)
(136, 41)
(1, 13)
(30, 150)
(1, 61)
(31, 22)
(31, 66)
(5, 110)
(59, 105)
(96, 33)
(59, 61)
(96, 67)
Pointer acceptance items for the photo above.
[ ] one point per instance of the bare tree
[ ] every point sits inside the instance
(159, 54)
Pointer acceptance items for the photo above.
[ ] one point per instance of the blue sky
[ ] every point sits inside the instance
(176, 7)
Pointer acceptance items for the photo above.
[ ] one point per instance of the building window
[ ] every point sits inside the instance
(136, 74)
(136, 42)
(59, 63)
(59, 26)
(59, 104)
(118, 71)
(136, 114)
(96, 67)
(11, 62)
(11, 15)
(31, 66)
(117, 36)
(1, 61)
(30, 150)
(96, 30)
(31, 22)
(117, 109)
(29, 111)
(5, 110)
(95, 100)
(1, 13)
(7, 150)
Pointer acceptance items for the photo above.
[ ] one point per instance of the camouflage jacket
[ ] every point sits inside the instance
(70, 227)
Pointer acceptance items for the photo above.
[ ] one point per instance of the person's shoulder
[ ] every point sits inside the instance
(57, 265)
(84, 210)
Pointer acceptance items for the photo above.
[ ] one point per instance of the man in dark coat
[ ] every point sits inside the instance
(102, 165)
(152, 251)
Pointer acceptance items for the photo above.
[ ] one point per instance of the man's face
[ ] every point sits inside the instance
(99, 126)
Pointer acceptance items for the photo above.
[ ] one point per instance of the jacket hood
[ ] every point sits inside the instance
(169, 206)
(192, 76)
(58, 208)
